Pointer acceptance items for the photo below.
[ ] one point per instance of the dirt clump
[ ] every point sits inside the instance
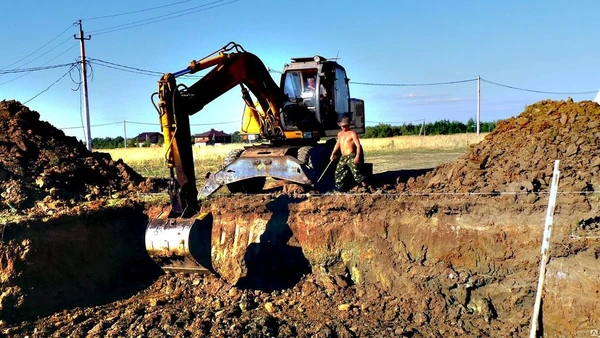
(518, 156)
(39, 164)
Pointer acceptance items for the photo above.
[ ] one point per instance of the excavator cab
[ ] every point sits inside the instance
(321, 86)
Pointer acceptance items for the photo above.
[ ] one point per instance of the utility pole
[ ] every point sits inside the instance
(478, 102)
(81, 38)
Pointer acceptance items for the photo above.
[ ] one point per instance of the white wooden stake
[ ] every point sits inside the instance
(125, 133)
(545, 246)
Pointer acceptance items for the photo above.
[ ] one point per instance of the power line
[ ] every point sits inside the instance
(43, 64)
(143, 123)
(134, 12)
(193, 124)
(125, 68)
(538, 91)
(95, 125)
(50, 86)
(134, 70)
(35, 69)
(35, 51)
(212, 124)
(396, 123)
(48, 51)
(148, 124)
(161, 17)
(411, 84)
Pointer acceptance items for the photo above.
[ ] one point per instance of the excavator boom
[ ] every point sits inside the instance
(176, 240)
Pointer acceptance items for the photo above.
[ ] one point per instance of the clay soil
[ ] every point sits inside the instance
(452, 251)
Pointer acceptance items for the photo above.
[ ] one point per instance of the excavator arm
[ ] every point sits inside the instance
(181, 240)
(178, 103)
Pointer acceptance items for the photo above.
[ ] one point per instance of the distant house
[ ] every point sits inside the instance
(212, 137)
(153, 138)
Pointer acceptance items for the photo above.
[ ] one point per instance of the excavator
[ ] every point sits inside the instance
(288, 122)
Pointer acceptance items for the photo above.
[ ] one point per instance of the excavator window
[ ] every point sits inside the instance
(293, 85)
(302, 84)
(342, 95)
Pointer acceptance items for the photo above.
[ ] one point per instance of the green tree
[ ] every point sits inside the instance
(236, 137)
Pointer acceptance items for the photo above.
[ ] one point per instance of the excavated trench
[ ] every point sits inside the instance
(73, 260)
(461, 266)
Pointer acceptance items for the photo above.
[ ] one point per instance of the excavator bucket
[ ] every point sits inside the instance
(181, 244)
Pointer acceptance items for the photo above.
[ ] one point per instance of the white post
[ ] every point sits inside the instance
(478, 102)
(422, 131)
(81, 39)
(545, 247)
(125, 134)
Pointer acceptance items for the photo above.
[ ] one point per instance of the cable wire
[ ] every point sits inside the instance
(147, 124)
(53, 48)
(35, 69)
(134, 12)
(35, 51)
(43, 64)
(127, 67)
(129, 70)
(161, 17)
(537, 91)
(396, 123)
(212, 124)
(411, 84)
(95, 125)
(50, 86)
(134, 70)
(194, 124)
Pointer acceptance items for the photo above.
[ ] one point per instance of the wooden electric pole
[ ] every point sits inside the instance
(478, 103)
(86, 105)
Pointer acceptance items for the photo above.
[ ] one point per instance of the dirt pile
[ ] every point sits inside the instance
(38, 162)
(192, 306)
(518, 156)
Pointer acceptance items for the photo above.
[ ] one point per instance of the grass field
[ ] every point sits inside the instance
(386, 154)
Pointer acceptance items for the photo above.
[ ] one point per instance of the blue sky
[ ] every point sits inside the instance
(548, 46)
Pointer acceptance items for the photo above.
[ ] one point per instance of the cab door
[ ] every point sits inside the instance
(347, 106)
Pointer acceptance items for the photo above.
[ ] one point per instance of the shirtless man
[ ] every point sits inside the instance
(349, 144)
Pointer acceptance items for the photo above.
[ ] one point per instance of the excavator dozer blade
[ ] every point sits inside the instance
(181, 244)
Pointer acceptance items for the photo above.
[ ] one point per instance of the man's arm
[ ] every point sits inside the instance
(335, 148)
(358, 147)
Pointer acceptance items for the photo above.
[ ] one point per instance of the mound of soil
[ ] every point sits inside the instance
(518, 156)
(38, 162)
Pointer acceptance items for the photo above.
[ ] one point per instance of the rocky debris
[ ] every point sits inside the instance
(519, 155)
(39, 164)
(185, 306)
